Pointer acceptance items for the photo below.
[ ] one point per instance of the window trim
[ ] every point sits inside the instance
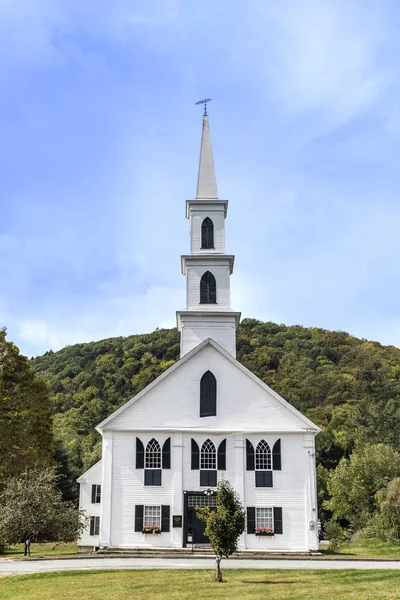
(208, 296)
(96, 493)
(207, 224)
(94, 525)
(144, 515)
(264, 456)
(208, 395)
(207, 465)
(271, 509)
(153, 455)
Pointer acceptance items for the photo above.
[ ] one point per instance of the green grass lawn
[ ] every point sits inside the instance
(368, 548)
(41, 550)
(199, 585)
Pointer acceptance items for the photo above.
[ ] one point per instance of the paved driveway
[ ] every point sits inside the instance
(8, 567)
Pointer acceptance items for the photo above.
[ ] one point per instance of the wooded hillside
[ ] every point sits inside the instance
(349, 387)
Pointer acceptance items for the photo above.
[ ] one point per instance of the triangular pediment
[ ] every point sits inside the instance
(244, 402)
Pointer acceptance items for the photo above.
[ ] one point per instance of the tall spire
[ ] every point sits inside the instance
(206, 183)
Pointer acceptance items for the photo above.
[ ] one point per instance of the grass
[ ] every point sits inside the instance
(197, 585)
(364, 548)
(367, 548)
(41, 550)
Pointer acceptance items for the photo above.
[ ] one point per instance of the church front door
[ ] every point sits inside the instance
(194, 528)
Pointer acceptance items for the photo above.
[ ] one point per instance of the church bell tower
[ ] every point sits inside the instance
(207, 268)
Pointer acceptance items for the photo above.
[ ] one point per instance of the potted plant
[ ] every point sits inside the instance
(264, 531)
(153, 529)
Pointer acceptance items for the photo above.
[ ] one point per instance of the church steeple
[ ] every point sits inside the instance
(206, 182)
(207, 267)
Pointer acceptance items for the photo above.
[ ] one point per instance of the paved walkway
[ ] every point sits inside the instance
(9, 567)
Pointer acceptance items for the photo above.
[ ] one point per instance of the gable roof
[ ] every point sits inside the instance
(82, 478)
(308, 424)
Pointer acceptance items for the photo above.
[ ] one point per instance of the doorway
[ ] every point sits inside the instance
(193, 527)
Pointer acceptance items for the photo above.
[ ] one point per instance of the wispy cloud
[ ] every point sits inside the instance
(100, 149)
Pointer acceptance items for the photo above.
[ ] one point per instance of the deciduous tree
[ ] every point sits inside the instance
(225, 524)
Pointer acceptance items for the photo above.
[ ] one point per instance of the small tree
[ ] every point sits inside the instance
(225, 524)
(31, 507)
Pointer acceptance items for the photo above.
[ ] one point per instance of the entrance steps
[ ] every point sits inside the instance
(197, 550)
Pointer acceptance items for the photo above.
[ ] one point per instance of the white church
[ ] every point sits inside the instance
(206, 418)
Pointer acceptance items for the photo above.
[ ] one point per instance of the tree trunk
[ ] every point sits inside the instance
(218, 574)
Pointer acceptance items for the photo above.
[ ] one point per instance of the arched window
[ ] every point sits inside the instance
(153, 455)
(208, 458)
(207, 233)
(208, 395)
(263, 456)
(208, 289)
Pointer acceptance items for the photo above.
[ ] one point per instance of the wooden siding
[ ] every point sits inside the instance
(291, 489)
(92, 477)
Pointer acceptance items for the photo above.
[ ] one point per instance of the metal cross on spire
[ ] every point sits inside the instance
(205, 104)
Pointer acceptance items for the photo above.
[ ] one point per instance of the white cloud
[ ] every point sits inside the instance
(324, 56)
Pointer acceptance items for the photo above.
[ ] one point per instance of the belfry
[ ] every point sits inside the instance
(207, 268)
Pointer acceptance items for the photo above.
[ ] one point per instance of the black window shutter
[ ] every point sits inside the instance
(222, 456)
(263, 478)
(195, 455)
(278, 526)
(93, 496)
(208, 478)
(166, 454)
(138, 517)
(91, 525)
(276, 456)
(152, 477)
(139, 454)
(208, 395)
(165, 518)
(249, 456)
(251, 519)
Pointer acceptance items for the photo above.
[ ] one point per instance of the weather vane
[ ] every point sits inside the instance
(205, 104)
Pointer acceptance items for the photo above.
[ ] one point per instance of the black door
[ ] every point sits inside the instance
(194, 528)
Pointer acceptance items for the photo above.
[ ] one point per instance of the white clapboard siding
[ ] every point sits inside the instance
(196, 221)
(91, 477)
(242, 404)
(128, 490)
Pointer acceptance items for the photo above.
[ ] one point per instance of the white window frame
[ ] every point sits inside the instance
(97, 496)
(263, 460)
(153, 455)
(151, 518)
(208, 460)
(266, 520)
(96, 525)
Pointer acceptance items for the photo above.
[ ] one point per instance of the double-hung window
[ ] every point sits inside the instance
(152, 516)
(264, 518)
(208, 464)
(152, 472)
(263, 465)
(94, 525)
(96, 494)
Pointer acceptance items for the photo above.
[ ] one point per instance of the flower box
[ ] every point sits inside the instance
(152, 529)
(266, 531)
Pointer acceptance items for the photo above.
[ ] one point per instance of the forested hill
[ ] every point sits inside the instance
(349, 387)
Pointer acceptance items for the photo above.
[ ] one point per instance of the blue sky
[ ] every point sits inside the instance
(100, 144)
